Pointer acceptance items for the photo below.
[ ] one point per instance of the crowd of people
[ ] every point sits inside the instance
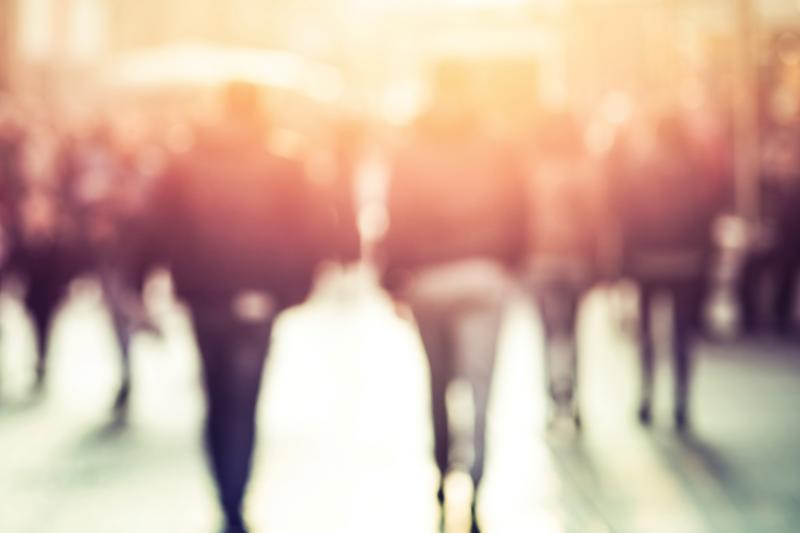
(473, 213)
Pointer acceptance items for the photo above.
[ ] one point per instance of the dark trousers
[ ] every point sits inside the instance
(688, 296)
(233, 352)
(782, 266)
(459, 313)
(43, 297)
(558, 304)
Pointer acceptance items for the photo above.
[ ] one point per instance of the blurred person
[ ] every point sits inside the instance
(767, 282)
(69, 214)
(46, 249)
(775, 256)
(567, 225)
(11, 142)
(110, 198)
(665, 204)
(456, 208)
(242, 231)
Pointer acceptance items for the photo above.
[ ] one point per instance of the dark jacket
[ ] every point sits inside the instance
(233, 216)
(665, 202)
(454, 198)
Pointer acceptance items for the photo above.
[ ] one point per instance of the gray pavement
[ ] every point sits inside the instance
(345, 444)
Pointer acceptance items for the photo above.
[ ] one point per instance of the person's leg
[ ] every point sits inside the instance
(688, 300)
(478, 335)
(124, 301)
(233, 357)
(42, 303)
(785, 285)
(573, 299)
(458, 310)
(559, 306)
(646, 352)
(124, 336)
(436, 338)
(42, 315)
(114, 296)
(752, 274)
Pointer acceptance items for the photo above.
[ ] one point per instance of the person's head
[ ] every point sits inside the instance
(452, 110)
(243, 106)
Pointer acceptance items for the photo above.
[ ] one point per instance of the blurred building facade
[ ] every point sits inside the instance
(565, 52)
(7, 40)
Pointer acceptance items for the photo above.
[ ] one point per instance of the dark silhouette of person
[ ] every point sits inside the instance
(11, 141)
(47, 251)
(776, 257)
(456, 222)
(242, 231)
(665, 206)
(567, 223)
(76, 216)
(112, 209)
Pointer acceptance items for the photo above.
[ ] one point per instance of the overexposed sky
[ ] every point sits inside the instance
(84, 33)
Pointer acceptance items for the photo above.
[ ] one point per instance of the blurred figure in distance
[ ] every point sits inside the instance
(242, 231)
(567, 223)
(665, 202)
(456, 224)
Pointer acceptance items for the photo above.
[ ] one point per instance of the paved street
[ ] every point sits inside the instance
(345, 441)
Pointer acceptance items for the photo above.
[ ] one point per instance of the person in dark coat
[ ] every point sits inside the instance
(665, 204)
(242, 231)
(775, 257)
(456, 206)
(111, 196)
(47, 252)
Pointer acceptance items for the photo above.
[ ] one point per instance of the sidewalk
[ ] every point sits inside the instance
(345, 444)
